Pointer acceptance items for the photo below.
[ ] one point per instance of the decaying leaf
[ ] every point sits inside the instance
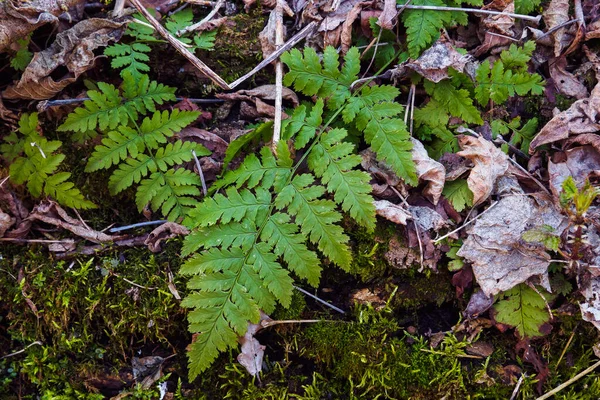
(429, 170)
(580, 118)
(252, 352)
(557, 14)
(166, 231)
(433, 64)
(565, 82)
(580, 163)
(489, 164)
(6, 221)
(390, 12)
(73, 49)
(501, 259)
(253, 105)
(391, 212)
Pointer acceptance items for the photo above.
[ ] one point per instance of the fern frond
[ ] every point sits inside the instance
(423, 26)
(238, 234)
(456, 101)
(498, 84)
(115, 147)
(132, 58)
(132, 170)
(333, 161)
(65, 193)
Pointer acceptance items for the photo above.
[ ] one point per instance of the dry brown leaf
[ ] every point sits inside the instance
(565, 82)
(331, 26)
(427, 218)
(580, 118)
(593, 139)
(433, 64)
(73, 49)
(557, 14)
(8, 116)
(501, 23)
(390, 12)
(256, 97)
(429, 170)
(19, 18)
(166, 231)
(6, 221)
(489, 164)
(211, 141)
(252, 352)
(267, 35)
(346, 33)
(590, 308)
(500, 257)
(51, 213)
(391, 212)
(580, 163)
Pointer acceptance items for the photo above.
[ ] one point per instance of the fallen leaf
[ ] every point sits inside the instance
(390, 12)
(391, 212)
(557, 14)
(580, 163)
(478, 304)
(501, 259)
(19, 18)
(489, 164)
(427, 218)
(168, 230)
(252, 352)
(590, 308)
(267, 35)
(6, 221)
(346, 32)
(565, 82)
(253, 106)
(580, 118)
(73, 49)
(428, 170)
(401, 256)
(434, 63)
(211, 141)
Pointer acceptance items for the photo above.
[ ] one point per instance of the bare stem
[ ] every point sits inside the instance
(279, 41)
(204, 20)
(570, 381)
(535, 19)
(319, 300)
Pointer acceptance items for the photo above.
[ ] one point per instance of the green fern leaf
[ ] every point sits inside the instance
(526, 6)
(132, 58)
(233, 207)
(238, 234)
(332, 161)
(132, 170)
(423, 26)
(498, 84)
(522, 308)
(65, 192)
(458, 194)
(457, 101)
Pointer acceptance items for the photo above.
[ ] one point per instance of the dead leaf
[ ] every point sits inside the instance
(331, 26)
(428, 170)
(390, 12)
(580, 163)
(478, 304)
(51, 213)
(267, 35)
(427, 218)
(346, 32)
(501, 23)
(565, 82)
(433, 64)
(211, 141)
(165, 231)
(580, 118)
(557, 14)
(399, 255)
(6, 221)
(19, 18)
(8, 116)
(366, 296)
(253, 106)
(590, 308)
(500, 257)
(391, 212)
(73, 49)
(252, 352)
(489, 164)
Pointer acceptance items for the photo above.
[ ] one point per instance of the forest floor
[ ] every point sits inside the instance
(340, 199)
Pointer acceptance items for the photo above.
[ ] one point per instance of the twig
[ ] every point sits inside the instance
(465, 224)
(502, 36)
(535, 19)
(201, 2)
(517, 387)
(566, 346)
(37, 342)
(516, 164)
(532, 286)
(441, 353)
(130, 281)
(118, 8)
(374, 53)
(204, 190)
(180, 47)
(307, 30)
(138, 225)
(204, 20)
(512, 147)
(4, 180)
(557, 27)
(18, 240)
(319, 300)
(412, 107)
(278, 76)
(570, 381)
(266, 324)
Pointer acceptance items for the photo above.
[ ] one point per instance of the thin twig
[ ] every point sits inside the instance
(502, 36)
(374, 53)
(37, 342)
(569, 382)
(441, 353)
(45, 104)
(466, 223)
(412, 107)
(118, 8)
(204, 20)
(204, 190)
(535, 19)
(307, 30)
(278, 77)
(138, 225)
(532, 286)
(201, 2)
(130, 281)
(516, 164)
(557, 27)
(213, 76)
(566, 346)
(18, 240)
(266, 324)
(515, 392)
(319, 300)
(4, 180)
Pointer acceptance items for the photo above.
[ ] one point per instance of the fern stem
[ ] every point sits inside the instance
(535, 19)
(204, 190)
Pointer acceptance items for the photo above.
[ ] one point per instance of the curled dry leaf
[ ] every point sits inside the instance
(565, 82)
(51, 213)
(6, 221)
(489, 164)
(73, 49)
(390, 12)
(166, 231)
(433, 64)
(256, 96)
(267, 35)
(501, 259)
(19, 18)
(580, 163)
(346, 32)
(252, 352)
(580, 118)
(429, 170)
(493, 25)
(557, 14)
(391, 212)
(331, 26)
